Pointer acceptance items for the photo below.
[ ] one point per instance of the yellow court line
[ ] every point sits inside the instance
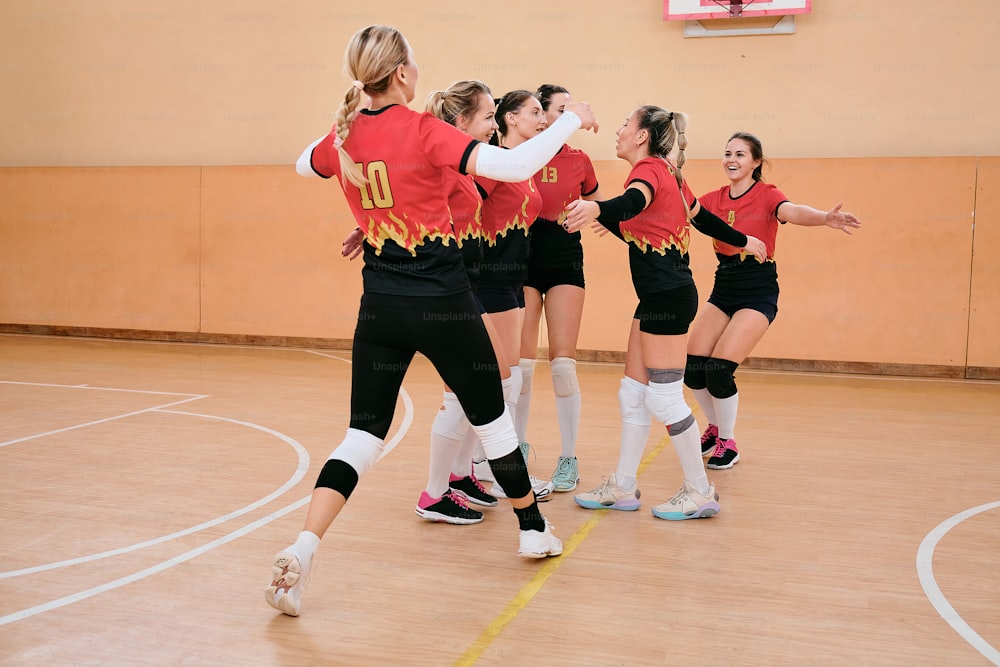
(526, 594)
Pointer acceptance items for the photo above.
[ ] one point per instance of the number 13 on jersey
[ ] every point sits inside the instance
(550, 175)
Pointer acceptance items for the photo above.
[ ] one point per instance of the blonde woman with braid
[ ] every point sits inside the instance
(390, 160)
(652, 218)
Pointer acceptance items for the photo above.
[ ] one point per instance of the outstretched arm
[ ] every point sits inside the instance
(522, 162)
(807, 216)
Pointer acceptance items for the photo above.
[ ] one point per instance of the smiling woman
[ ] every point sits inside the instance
(744, 299)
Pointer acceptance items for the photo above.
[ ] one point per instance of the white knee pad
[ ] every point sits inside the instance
(666, 402)
(564, 376)
(450, 421)
(498, 437)
(527, 367)
(359, 449)
(512, 386)
(632, 402)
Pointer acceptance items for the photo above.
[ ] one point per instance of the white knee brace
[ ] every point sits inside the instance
(632, 402)
(666, 402)
(527, 367)
(512, 386)
(450, 421)
(360, 450)
(564, 380)
(498, 437)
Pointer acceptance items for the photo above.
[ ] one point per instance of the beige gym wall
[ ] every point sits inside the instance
(148, 147)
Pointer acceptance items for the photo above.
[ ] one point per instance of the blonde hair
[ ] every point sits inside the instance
(459, 99)
(372, 56)
(665, 128)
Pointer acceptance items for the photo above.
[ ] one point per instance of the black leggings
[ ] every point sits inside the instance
(448, 330)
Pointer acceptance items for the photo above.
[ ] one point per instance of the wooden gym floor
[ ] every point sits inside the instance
(145, 487)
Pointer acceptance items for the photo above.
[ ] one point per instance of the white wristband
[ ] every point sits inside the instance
(522, 162)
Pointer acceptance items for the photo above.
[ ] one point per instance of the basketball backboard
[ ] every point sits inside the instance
(710, 18)
(698, 10)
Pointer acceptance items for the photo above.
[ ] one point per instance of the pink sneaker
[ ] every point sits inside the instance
(708, 440)
(725, 455)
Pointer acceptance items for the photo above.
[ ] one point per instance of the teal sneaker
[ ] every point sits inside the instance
(567, 474)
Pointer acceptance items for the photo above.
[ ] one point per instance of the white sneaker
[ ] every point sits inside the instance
(689, 504)
(287, 583)
(539, 544)
(542, 488)
(482, 471)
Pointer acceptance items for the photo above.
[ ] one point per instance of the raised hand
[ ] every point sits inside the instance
(587, 117)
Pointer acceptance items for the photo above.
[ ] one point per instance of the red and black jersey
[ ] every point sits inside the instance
(403, 210)
(466, 206)
(659, 236)
(754, 213)
(508, 211)
(567, 177)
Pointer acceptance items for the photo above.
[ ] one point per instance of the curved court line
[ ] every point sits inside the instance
(300, 471)
(149, 571)
(102, 421)
(529, 590)
(404, 426)
(925, 556)
(164, 565)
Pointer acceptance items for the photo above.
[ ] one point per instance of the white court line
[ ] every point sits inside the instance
(149, 571)
(142, 574)
(925, 554)
(300, 471)
(407, 409)
(87, 386)
(102, 421)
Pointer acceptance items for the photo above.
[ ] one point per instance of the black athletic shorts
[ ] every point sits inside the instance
(500, 297)
(668, 313)
(767, 304)
(545, 279)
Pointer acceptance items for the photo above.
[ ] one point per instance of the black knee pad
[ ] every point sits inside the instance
(694, 372)
(339, 476)
(719, 377)
(511, 472)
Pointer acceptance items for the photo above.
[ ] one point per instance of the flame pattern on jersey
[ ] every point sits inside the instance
(520, 222)
(645, 244)
(378, 232)
(663, 224)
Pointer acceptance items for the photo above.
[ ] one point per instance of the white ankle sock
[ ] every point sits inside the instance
(304, 548)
